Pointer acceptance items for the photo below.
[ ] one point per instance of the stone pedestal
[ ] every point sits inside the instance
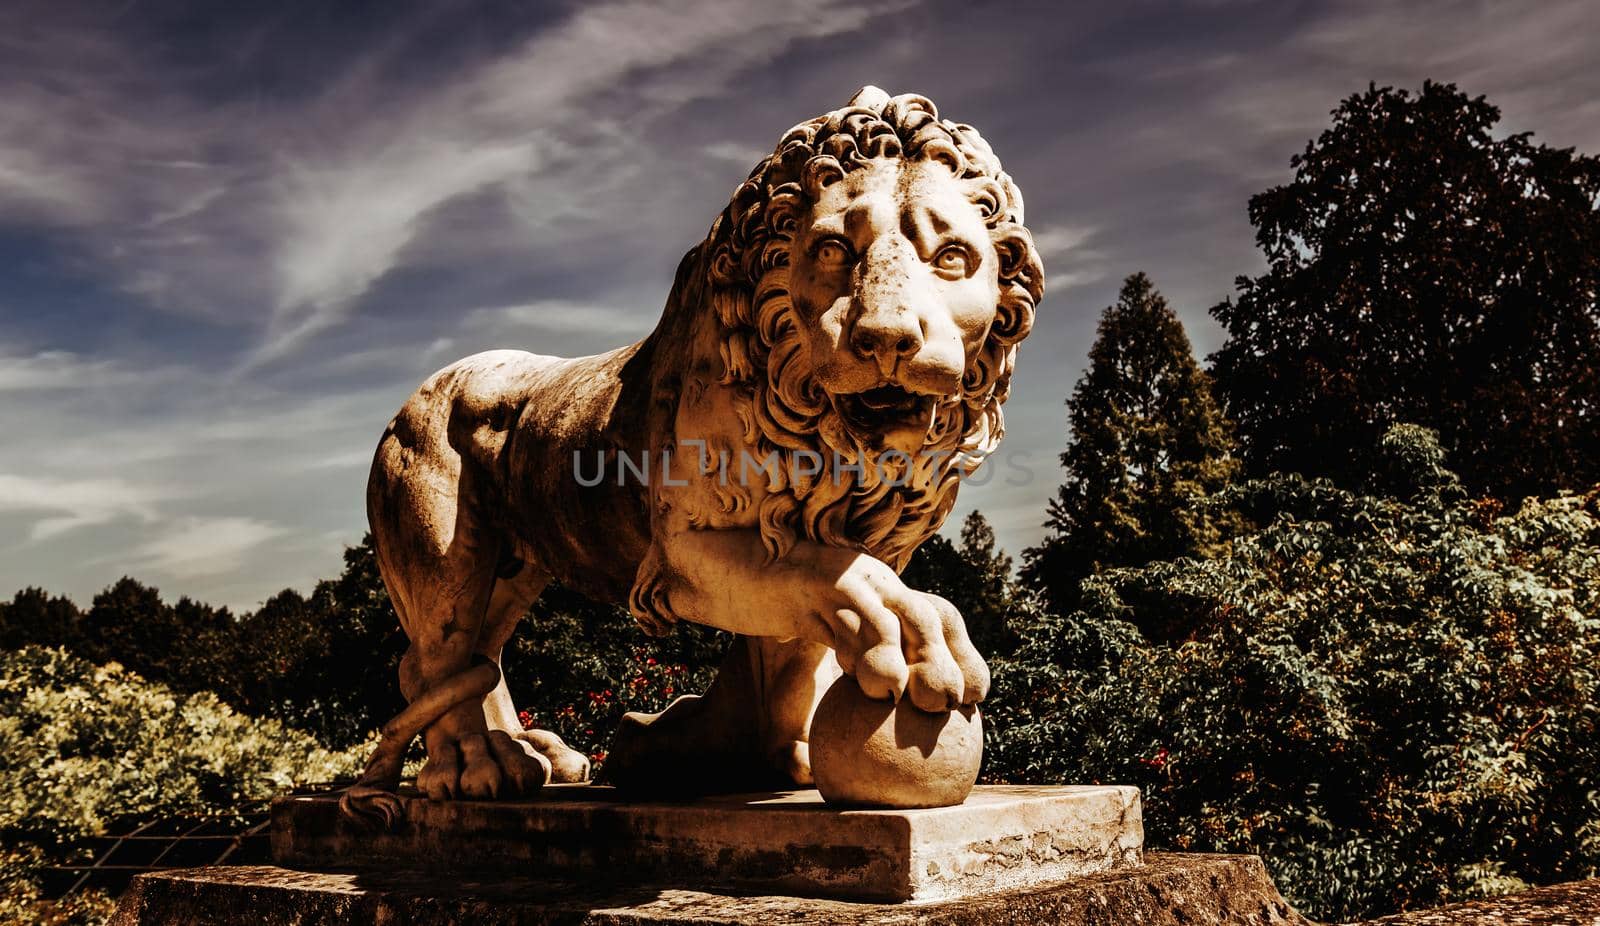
(1000, 838)
(1169, 890)
(581, 856)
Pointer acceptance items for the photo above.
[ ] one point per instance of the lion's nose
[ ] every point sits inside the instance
(884, 335)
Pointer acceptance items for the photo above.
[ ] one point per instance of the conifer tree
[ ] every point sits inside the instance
(975, 577)
(1147, 442)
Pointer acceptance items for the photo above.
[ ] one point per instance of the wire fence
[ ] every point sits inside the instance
(237, 837)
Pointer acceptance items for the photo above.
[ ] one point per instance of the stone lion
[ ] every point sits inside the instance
(830, 364)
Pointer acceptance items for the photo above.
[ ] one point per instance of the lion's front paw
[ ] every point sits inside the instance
(481, 766)
(896, 640)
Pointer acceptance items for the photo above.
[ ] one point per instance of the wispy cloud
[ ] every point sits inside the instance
(196, 547)
(348, 219)
(281, 216)
(560, 316)
(1068, 258)
(59, 369)
(61, 505)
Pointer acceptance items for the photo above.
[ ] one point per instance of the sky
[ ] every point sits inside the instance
(235, 237)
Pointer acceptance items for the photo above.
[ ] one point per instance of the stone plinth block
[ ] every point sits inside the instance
(1001, 838)
(1170, 890)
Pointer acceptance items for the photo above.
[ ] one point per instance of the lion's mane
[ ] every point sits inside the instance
(742, 269)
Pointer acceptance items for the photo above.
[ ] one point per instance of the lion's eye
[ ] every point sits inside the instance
(833, 253)
(953, 260)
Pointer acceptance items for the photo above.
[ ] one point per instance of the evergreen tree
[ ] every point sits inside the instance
(1147, 442)
(1422, 269)
(975, 577)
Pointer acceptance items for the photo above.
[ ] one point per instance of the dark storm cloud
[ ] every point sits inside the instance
(233, 237)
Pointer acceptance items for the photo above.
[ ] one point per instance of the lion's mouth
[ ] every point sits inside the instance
(884, 408)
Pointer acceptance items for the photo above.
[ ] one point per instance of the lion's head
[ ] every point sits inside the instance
(871, 280)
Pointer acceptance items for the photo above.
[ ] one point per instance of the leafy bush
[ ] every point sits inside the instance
(83, 747)
(1392, 698)
(22, 902)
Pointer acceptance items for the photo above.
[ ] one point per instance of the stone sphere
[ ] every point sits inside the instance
(875, 753)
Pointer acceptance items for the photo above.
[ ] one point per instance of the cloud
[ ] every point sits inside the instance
(348, 219)
(195, 547)
(59, 369)
(561, 316)
(745, 156)
(75, 503)
(1068, 261)
(1059, 240)
(346, 224)
(280, 213)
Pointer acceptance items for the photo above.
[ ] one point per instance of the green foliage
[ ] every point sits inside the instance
(1422, 269)
(22, 901)
(326, 664)
(84, 747)
(186, 642)
(1392, 698)
(975, 577)
(1147, 443)
(576, 666)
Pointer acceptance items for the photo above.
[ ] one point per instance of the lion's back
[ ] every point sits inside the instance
(506, 425)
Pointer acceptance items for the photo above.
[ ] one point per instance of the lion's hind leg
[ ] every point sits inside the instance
(441, 559)
(372, 797)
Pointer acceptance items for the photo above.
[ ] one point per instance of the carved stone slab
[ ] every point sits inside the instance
(1169, 890)
(1002, 837)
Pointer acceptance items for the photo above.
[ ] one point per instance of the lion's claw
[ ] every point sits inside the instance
(372, 808)
(897, 641)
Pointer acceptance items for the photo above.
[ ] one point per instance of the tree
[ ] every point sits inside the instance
(33, 617)
(1390, 692)
(1147, 441)
(353, 675)
(185, 645)
(975, 577)
(1421, 269)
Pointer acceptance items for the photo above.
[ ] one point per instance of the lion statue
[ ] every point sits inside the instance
(830, 364)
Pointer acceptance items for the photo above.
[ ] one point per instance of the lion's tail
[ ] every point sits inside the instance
(371, 801)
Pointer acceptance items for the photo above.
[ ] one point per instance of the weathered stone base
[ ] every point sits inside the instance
(1192, 890)
(789, 842)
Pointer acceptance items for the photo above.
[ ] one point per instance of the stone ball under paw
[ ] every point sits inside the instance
(873, 753)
